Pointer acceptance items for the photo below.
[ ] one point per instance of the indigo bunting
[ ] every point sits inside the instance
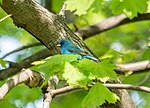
(67, 47)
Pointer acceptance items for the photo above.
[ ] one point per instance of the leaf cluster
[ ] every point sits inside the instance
(80, 73)
(128, 7)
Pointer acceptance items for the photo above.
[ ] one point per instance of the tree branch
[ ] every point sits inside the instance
(22, 48)
(108, 24)
(108, 85)
(30, 78)
(33, 79)
(64, 90)
(26, 63)
(128, 86)
(133, 67)
(51, 28)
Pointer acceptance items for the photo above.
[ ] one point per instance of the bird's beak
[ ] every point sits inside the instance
(59, 45)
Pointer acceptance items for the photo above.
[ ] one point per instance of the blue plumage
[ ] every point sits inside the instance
(67, 47)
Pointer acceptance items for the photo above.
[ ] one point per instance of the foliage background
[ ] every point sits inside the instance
(124, 44)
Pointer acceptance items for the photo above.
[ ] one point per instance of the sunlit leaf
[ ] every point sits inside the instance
(62, 58)
(130, 55)
(148, 7)
(98, 95)
(3, 63)
(111, 54)
(74, 76)
(51, 61)
(130, 7)
(53, 64)
(103, 70)
(96, 6)
(79, 6)
(38, 62)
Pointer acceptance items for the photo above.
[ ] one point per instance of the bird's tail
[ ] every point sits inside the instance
(91, 58)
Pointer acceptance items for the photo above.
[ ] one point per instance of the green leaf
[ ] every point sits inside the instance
(111, 54)
(84, 6)
(53, 61)
(56, 5)
(148, 7)
(130, 56)
(96, 6)
(103, 70)
(3, 63)
(146, 97)
(57, 59)
(146, 55)
(130, 7)
(71, 100)
(106, 71)
(75, 72)
(79, 6)
(98, 95)
(53, 64)
(137, 79)
(38, 62)
(7, 103)
(74, 76)
(19, 93)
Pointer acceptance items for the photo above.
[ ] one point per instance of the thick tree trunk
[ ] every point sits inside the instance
(48, 28)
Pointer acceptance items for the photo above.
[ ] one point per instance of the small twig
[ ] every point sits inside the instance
(62, 11)
(22, 48)
(48, 95)
(145, 79)
(30, 78)
(2, 19)
(64, 90)
(108, 85)
(128, 86)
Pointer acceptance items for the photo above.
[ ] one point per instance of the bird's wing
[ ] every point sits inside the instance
(74, 49)
(77, 50)
(84, 52)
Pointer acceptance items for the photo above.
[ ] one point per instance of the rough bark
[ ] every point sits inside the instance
(48, 28)
(45, 26)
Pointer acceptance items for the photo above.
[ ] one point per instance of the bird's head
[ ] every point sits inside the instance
(62, 42)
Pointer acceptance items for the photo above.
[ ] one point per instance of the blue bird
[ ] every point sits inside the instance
(67, 47)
